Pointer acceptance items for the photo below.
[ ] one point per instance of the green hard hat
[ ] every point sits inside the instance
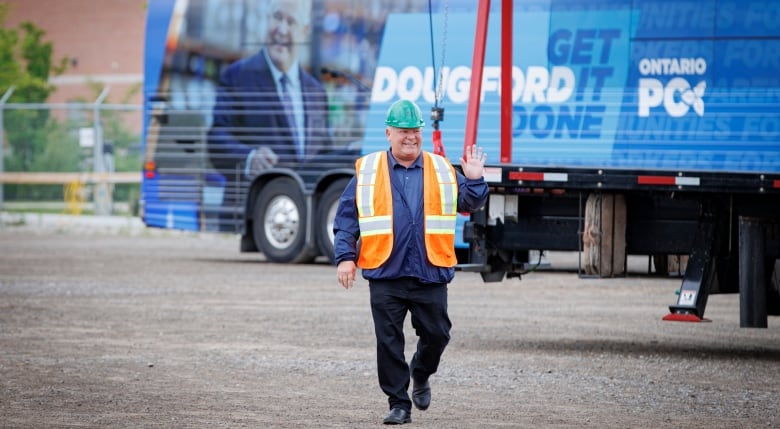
(404, 114)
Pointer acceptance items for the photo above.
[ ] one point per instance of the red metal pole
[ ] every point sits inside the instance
(477, 66)
(438, 146)
(506, 80)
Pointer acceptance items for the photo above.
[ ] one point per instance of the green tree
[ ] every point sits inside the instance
(26, 64)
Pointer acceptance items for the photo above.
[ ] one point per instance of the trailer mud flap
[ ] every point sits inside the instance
(699, 276)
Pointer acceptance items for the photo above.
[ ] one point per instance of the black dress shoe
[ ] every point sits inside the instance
(398, 416)
(421, 394)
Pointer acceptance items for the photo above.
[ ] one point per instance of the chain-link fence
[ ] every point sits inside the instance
(70, 157)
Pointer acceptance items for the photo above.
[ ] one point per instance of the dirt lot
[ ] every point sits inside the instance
(123, 327)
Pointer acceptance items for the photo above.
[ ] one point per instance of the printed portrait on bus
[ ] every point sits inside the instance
(238, 90)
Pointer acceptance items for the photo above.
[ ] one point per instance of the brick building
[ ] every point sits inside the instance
(102, 38)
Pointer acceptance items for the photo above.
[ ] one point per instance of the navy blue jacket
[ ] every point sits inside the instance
(408, 258)
(248, 113)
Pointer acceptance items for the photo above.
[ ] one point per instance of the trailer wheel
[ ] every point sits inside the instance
(326, 213)
(279, 222)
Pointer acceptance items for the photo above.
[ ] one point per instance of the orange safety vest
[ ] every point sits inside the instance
(374, 201)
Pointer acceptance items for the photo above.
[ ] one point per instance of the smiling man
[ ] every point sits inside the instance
(286, 28)
(402, 205)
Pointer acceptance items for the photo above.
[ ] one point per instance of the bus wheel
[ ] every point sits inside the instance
(279, 222)
(326, 213)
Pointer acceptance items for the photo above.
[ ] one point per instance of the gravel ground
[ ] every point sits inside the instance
(106, 324)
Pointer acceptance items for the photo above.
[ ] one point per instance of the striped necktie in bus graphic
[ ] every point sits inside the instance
(290, 111)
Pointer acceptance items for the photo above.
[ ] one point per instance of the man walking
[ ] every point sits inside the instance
(402, 204)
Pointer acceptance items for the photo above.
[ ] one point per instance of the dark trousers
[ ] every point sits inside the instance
(390, 301)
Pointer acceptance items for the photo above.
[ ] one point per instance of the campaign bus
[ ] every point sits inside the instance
(217, 141)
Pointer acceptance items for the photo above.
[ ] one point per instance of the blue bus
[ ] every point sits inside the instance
(206, 124)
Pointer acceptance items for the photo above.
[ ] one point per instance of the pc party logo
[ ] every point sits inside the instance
(672, 84)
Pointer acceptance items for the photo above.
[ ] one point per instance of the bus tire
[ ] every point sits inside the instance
(279, 222)
(326, 213)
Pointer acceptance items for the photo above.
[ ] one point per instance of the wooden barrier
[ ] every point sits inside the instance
(67, 178)
(604, 239)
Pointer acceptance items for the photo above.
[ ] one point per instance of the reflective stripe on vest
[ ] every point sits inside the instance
(374, 201)
(441, 205)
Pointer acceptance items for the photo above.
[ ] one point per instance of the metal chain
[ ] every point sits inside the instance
(438, 93)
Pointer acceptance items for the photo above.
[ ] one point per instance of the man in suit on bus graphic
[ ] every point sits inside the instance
(269, 112)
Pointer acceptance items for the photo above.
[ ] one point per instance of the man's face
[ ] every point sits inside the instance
(287, 28)
(405, 143)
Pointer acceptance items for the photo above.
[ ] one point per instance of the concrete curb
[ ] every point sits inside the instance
(71, 223)
(11, 222)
